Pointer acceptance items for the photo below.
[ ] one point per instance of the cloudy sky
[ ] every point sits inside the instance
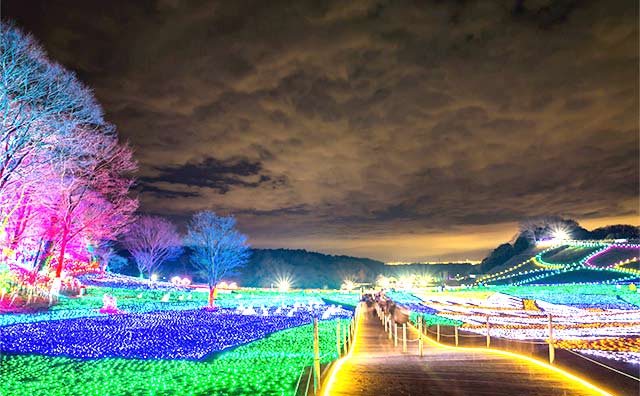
(398, 130)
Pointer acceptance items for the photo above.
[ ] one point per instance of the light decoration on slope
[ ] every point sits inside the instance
(157, 335)
(633, 248)
(527, 319)
(266, 367)
(525, 273)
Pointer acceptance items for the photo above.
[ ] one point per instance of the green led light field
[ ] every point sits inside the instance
(270, 366)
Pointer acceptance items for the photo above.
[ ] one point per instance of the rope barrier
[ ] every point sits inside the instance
(471, 335)
(529, 342)
(602, 364)
(502, 338)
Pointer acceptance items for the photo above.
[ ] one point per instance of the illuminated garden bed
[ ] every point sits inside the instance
(600, 320)
(270, 366)
(191, 334)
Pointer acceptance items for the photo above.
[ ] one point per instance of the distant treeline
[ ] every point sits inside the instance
(306, 269)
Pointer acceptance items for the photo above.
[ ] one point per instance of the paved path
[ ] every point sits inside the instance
(377, 368)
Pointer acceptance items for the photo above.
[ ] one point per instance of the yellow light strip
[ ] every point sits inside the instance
(540, 363)
(332, 378)
(341, 361)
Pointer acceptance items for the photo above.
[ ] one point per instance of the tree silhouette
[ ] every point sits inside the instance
(152, 241)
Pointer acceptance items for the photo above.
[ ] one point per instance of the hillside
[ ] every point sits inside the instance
(573, 262)
(306, 269)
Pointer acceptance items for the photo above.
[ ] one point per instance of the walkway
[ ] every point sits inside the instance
(376, 368)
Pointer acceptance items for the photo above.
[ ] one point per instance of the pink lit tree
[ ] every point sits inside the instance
(92, 191)
(151, 241)
(64, 177)
(217, 247)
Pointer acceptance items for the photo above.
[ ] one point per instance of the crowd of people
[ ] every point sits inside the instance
(379, 302)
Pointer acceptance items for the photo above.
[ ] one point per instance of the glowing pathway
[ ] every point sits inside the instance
(377, 368)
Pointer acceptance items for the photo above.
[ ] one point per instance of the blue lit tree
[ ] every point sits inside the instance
(41, 103)
(217, 247)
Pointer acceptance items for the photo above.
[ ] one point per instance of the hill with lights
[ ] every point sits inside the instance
(562, 261)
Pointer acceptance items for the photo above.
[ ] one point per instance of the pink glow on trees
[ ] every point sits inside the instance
(94, 177)
(64, 177)
(151, 241)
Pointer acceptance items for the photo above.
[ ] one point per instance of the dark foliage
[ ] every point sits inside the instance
(619, 231)
(498, 257)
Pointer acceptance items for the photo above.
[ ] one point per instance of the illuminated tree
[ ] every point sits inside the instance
(64, 178)
(93, 175)
(217, 247)
(152, 241)
(40, 103)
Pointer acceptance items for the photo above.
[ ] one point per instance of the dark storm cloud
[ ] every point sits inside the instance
(211, 173)
(343, 126)
(164, 193)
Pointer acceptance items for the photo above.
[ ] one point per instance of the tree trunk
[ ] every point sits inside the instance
(63, 247)
(213, 293)
(42, 256)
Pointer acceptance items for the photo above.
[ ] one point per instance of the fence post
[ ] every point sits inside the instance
(404, 337)
(353, 327)
(552, 352)
(338, 338)
(344, 339)
(316, 358)
(488, 335)
(420, 351)
(390, 331)
(395, 332)
(455, 329)
(438, 332)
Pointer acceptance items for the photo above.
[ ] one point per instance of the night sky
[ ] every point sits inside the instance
(397, 130)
